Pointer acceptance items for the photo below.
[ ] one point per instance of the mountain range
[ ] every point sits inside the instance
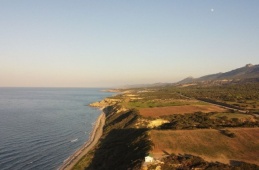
(249, 71)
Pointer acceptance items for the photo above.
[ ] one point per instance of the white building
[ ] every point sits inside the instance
(149, 159)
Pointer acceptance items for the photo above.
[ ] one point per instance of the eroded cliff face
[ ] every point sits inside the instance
(122, 146)
(110, 106)
(106, 102)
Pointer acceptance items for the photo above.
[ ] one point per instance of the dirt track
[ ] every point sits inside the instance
(95, 136)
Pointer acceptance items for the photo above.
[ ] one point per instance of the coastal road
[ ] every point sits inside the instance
(96, 134)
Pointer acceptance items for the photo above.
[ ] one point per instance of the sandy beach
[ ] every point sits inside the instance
(94, 137)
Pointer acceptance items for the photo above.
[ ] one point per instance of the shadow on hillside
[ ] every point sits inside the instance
(107, 110)
(244, 165)
(121, 149)
(165, 152)
(122, 117)
(122, 120)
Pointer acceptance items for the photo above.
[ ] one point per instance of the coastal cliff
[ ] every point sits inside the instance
(105, 102)
(121, 146)
(130, 134)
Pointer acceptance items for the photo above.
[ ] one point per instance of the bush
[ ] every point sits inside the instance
(228, 133)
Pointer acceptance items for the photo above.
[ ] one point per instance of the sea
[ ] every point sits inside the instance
(41, 127)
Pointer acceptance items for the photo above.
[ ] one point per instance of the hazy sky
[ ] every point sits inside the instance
(82, 43)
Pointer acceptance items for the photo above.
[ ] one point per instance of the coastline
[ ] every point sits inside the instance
(96, 133)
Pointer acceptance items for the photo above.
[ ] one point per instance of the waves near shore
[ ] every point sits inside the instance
(42, 127)
(94, 137)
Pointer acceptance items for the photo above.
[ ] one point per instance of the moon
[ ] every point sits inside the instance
(212, 10)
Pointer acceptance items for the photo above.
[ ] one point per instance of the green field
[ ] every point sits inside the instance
(156, 103)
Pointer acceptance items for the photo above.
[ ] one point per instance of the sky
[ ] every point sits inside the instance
(83, 43)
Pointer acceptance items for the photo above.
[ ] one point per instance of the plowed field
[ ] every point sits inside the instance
(209, 144)
(163, 111)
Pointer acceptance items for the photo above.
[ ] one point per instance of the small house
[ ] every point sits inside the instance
(149, 159)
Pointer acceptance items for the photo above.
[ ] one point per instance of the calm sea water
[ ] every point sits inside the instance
(41, 127)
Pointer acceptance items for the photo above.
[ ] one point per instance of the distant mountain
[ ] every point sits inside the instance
(209, 77)
(249, 71)
(186, 80)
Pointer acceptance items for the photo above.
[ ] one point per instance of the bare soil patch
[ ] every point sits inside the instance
(209, 144)
(164, 111)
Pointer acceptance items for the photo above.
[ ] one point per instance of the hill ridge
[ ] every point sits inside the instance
(249, 71)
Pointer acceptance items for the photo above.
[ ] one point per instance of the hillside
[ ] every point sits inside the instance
(249, 71)
(202, 142)
(177, 129)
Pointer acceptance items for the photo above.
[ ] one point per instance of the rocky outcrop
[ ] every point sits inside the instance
(106, 102)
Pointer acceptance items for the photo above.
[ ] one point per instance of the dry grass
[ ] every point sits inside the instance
(240, 116)
(164, 111)
(156, 123)
(210, 144)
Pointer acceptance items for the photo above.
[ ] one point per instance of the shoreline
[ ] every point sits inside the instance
(96, 133)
